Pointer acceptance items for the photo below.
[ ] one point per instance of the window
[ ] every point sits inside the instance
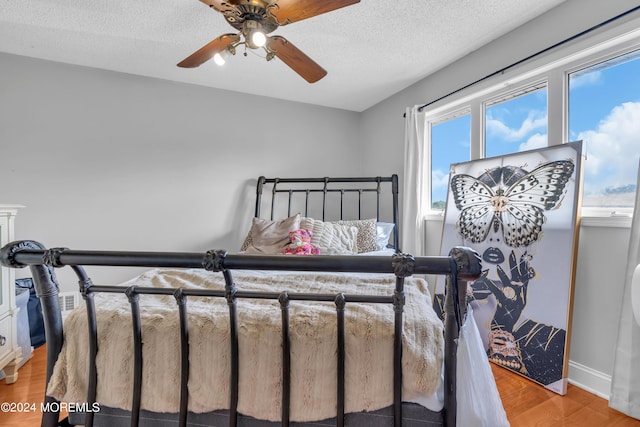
(586, 91)
(517, 123)
(449, 144)
(604, 112)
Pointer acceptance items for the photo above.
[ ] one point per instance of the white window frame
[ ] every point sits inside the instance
(554, 68)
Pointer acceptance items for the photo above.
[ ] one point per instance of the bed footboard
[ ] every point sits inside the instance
(462, 265)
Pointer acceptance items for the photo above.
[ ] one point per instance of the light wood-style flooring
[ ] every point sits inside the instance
(530, 405)
(526, 403)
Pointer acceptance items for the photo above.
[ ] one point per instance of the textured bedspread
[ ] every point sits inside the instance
(369, 346)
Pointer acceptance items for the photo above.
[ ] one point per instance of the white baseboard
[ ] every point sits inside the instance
(589, 379)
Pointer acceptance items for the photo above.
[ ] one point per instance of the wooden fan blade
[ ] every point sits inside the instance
(206, 52)
(216, 4)
(288, 11)
(306, 67)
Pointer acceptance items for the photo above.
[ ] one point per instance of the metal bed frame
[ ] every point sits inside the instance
(462, 265)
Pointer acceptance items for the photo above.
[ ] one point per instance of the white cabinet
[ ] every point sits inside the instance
(10, 353)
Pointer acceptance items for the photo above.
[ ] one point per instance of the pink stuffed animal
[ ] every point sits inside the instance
(301, 243)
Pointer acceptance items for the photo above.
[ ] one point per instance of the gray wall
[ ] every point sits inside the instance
(103, 160)
(602, 251)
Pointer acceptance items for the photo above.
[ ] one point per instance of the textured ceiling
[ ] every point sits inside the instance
(371, 50)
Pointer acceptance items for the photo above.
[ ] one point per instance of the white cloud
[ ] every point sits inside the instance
(537, 140)
(535, 120)
(585, 79)
(613, 148)
(439, 179)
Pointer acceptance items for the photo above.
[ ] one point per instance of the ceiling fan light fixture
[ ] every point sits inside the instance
(258, 38)
(254, 34)
(220, 58)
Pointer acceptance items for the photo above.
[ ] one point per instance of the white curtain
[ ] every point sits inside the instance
(625, 381)
(412, 231)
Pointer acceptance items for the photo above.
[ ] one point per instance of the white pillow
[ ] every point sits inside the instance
(331, 238)
(384, 230)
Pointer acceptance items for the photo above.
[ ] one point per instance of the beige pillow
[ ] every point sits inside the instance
(367, 233)
(270, 237)
(331, 238)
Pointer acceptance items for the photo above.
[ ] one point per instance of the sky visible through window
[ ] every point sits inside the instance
(450, 143)
(604, 112)
(517, 124)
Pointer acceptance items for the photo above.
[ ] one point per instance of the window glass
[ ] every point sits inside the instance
(517, 122)
(450, 143)
(604, 112)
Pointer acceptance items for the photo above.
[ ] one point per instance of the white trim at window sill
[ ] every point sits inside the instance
(614, 221)
(433, 216)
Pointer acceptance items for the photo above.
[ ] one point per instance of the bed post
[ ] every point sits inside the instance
(259, 187)
(46, 286)
(465, 265)
(214, 261)
(181, 301)
(394, 193)
(403, 266)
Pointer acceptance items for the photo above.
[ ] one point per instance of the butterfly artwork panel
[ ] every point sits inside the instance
(520, 212)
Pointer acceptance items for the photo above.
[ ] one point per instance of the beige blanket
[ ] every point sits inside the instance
(369, 346)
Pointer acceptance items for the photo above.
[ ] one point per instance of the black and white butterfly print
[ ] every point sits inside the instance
(509, 198)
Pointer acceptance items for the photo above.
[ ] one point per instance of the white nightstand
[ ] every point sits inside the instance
(10, 352)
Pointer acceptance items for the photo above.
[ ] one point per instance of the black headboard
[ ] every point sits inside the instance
(331, 199)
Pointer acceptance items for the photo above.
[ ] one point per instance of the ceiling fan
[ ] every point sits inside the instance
(254, 19)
